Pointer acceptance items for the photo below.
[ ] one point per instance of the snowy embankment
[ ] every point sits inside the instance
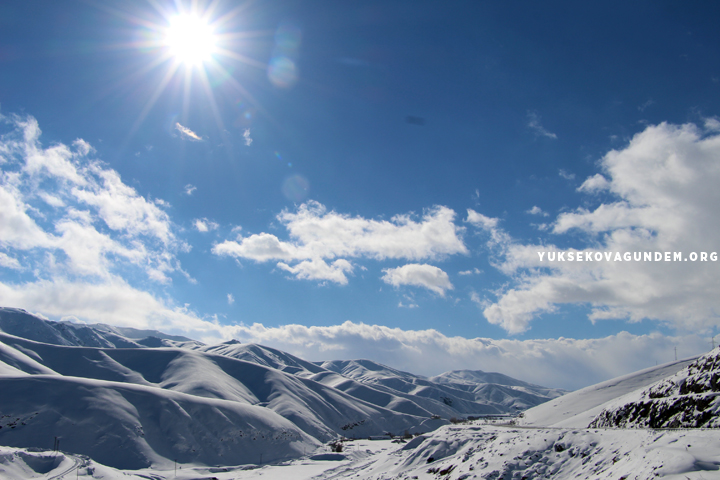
(690, 398)
(577, 409)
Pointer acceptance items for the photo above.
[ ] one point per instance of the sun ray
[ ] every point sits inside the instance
(150, 103)
(209, 64)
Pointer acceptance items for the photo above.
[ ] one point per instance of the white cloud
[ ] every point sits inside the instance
(564, 174)
(498, 237)
(9, 262)
(204, 225)
(188, 134)
(317, 235)
(17, 228)
(665, 184)
(474, 271)
(564, 362)
(121, 208)
(113, 302)
(318, 269)
(535, 126)
(426, 276)
(230, 299)
(246, 136)
(535, 210)
(593, 184)
(69, 213)
(189, 189)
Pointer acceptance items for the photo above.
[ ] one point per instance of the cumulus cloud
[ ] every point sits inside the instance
(535, 210)
(72, 219)
(204, 225)
(535, 126)
(317, 235)
(665, 197)
(426, 276)
(318, 269)
(188, 134)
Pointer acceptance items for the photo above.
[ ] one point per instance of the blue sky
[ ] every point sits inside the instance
(369, 179)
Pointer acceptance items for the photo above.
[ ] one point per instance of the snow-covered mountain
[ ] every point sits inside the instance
(452, 393)
(132, 398)
(134, 411)
(20, 323)
(688, 399)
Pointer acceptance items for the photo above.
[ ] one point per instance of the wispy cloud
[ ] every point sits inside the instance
(474, 271)
(246, 136)
(646, 105)
(566, 175)
(188, 134)
(189, 189)
(535, 126)
(230, 299)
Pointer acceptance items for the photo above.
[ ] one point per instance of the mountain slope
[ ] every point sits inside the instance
(450, 394)
(688, 399)
(20, 323)
(320, 411)
(135, 426)
(577, 409)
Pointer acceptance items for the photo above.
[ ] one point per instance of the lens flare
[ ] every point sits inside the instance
(282, 72)
(296, 188)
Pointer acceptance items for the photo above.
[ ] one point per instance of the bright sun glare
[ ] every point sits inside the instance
(190, 39)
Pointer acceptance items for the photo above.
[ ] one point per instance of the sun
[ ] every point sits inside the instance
(191, 39)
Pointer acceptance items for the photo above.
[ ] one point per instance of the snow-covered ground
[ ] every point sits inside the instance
(459, 452)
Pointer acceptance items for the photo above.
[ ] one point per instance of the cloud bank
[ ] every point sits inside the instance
(563, 362)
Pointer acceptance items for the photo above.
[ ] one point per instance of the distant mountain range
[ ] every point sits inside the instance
(132, 398)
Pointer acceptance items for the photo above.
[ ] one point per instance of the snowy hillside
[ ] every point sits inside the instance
(20, 323)
(246, 411)
(577, 409)
(450, 394)
(135, 426)
(133, 399)
(690, 398)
